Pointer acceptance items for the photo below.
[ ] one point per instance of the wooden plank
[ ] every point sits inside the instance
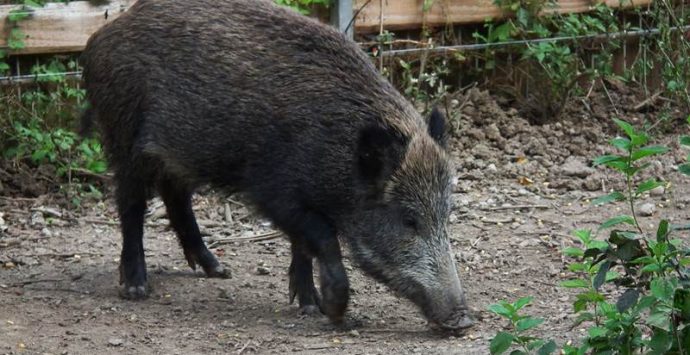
(60, 27)
(408, 14)
(65, 27)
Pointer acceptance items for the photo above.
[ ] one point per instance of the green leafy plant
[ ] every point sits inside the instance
(36, 129)
(653, 313)
(520, 325)
(302, 6)
(685, 142)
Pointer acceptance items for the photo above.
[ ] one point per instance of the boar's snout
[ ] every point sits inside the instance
(446, 305)
(458, 319)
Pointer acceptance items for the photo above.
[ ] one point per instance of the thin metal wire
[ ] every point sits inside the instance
(28, 77)
(442, 49)
(478, 46)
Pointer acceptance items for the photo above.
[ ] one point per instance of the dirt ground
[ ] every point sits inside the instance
(521, 191)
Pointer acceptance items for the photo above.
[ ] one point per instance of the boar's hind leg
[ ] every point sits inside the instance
(314, 233)
(302, 281)
(178, 203)
(131, 203)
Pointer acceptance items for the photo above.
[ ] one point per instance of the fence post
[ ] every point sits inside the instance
(341, 15)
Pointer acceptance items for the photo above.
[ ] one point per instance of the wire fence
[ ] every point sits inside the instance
(19, 78)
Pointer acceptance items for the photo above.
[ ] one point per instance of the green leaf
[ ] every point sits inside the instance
(614, 196)
(577, 267)
(598, 244)
(17, 15)
(647, 151)
(645, 302)
(662, 289)
(500, 310)
(584, 317)
(500, 343)
(547, 348)
(621, 143)
(580, 305)
(651, 268)
(661, 341)
(685, 140)
(522, 302)
(616, 221)
(644, 260)
(684, 168)
(98, 167)
(662, 231)
(627, 300)
(659, 319)
(626, 127)
(607, 159)
(596, 332)
(585, 235)
(647, 186)
(575, 283)
(574, 252)
(600, 277)
(528, 323)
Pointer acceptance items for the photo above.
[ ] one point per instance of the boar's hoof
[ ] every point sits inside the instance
(310, 310)
(132, 292)
(334, 303)
(218, 272)
(208, 262)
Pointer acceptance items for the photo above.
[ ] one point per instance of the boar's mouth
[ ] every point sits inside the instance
(458, 319)
(445, 310)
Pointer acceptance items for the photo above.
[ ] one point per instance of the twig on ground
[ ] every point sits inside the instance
(648, 101)
(253, 238)
(99, 221)
(475, 242)
(29, 282)
(496, 221)
(244, 347)
(613, 104)
(48, 211)
(236, 202)
(516, 207)
(89, 174)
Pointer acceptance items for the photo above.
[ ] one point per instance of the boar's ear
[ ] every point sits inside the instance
(437, 127)
(378, 153)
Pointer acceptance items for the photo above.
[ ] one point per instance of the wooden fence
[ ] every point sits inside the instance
(65, 27)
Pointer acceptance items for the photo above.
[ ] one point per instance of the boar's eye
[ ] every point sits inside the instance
(410, 222)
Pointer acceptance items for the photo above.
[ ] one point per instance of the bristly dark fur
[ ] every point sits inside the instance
(244, 95)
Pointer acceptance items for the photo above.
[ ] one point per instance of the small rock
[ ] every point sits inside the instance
(37, 219)
(646, 209)
(657, 191)
(262, 270)
(354, 333)
(573, 166)
(115, 342)
(592, 183)
(492, 168)
(492, 132)
(46, 232)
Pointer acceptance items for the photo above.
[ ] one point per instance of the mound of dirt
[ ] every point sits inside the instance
(17, 179)
(496, 142)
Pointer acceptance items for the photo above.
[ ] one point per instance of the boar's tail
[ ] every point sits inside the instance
(87, 119)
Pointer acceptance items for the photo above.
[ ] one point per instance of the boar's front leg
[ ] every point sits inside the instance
(313, 234)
